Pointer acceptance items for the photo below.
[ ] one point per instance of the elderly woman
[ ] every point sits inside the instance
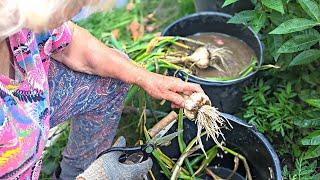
(51, 71)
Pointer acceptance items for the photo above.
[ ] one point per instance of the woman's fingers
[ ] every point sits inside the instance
(175, 88)
(192, 87)
(175, 98)
(170, 88)
(185, 87)
(188, 93)
(174, 106)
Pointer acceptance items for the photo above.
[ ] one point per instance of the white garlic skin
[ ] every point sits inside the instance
(200, 57)
(194, 102)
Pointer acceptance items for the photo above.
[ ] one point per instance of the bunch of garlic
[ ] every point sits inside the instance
(193, 103)
(198, 108)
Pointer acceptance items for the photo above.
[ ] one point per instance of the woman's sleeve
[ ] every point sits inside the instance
(54, 40)
(61, 37)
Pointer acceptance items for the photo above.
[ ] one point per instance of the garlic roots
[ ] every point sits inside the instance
(198, 108)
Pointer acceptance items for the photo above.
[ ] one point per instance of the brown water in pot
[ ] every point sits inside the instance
(241, 57)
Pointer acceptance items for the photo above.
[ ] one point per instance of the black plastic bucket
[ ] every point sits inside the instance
(216, 5)
(243, 138)
(225, 95)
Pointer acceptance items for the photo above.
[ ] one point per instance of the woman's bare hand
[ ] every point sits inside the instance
(168, 88)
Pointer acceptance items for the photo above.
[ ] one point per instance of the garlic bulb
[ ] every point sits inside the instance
(198, 107)
(193, 103)
(200, 57)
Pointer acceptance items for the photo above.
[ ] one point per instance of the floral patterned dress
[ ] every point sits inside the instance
(24, 102)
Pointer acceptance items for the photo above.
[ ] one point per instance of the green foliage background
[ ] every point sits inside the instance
(284, 103)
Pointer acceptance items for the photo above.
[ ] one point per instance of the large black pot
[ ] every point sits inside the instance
(225, 95)
(216, 5)
(244, 139)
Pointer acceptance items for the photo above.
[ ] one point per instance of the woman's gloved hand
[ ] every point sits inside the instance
(108, 167)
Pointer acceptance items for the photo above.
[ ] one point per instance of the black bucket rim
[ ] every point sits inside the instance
(273, 173)
(277, 174)
(203, 81)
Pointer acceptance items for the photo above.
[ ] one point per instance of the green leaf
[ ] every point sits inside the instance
(55, 152)
(298, 43)
(277, 18)
(311, 8)
(313, 102)
(258, 22)
(313, 152)
(312, 78)
(242, 17)
(274, 4)
(49, 167)
(228, 2)
(310, 31)
(307, 123)
(311, 97)
(294, 25)
(296, 150)
(306, 57)
(311, 139)
(274, 43)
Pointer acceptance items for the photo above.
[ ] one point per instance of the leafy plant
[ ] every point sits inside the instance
(53, 150)
(271, 108)
(287, 27)
(312, 138)
(284, 104)
(285, 117)
(303, 170)
(228, 2)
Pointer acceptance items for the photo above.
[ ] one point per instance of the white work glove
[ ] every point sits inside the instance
(108, 167)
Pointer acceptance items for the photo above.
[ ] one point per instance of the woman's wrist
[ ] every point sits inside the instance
(138, 76)
(131, 73)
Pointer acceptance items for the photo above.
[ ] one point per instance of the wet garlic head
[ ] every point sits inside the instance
(193, 103)
(200, 57)
(198, 107)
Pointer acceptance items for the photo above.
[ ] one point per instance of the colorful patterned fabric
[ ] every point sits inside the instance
(94, 105)
(24, 102)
